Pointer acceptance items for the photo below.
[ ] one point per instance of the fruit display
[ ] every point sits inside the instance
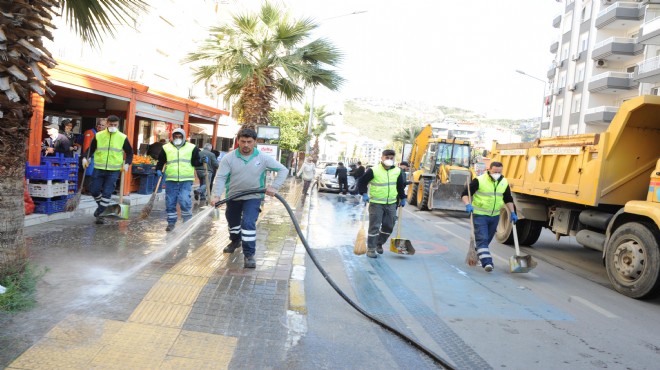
(143, 159)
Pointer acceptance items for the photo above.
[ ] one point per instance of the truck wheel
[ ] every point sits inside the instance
(412, 197)
(632, 260)
(528, 231)
(503, 233)
(423, 191)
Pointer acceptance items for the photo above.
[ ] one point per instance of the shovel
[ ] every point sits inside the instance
(120, 209)
(399, 245)
(520, 263)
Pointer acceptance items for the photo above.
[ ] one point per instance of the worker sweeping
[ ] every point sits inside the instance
(489, 192)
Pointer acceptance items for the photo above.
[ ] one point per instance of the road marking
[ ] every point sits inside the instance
(594, 307)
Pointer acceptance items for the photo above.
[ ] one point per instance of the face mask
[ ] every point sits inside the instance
(112, 129)
(178, 142)
(496, 176)
(388, 162)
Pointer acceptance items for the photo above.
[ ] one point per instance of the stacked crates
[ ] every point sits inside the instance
(52, 183)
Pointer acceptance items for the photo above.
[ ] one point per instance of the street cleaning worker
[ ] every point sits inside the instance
(386, 192)
(181, 157)
(241, 170)
(108, 148)
(489, 192)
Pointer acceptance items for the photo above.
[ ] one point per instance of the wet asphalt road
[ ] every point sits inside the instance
(562, 315)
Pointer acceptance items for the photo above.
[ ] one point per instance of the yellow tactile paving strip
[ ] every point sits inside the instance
(152, 337)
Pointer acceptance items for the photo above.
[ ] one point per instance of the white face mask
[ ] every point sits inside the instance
(178, 142)
(496, 176)
(112, 129)
(388, 162)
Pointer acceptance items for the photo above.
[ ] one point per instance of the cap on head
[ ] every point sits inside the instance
(53, 126)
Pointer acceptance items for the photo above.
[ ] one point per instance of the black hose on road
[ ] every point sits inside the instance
(403, 336)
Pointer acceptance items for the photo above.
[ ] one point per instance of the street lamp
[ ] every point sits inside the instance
(542, 101)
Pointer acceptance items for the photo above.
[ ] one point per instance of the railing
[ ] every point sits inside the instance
(612, 74)
(611, 40)
(648, 65)
(602, 109)
(612, 7)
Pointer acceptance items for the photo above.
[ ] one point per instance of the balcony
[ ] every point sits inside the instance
(617, 48)
(620, 16)
(556, 21)
(649, 34)
(649, 70)
(554, 47)
(570, 5)
(612, 82)
(600, 115)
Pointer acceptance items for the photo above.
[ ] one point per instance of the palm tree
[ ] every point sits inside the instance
(407, 135)
(318, 130)
(23, 62)
(259, 55)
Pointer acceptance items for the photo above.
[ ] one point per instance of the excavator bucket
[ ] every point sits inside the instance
(447, 197)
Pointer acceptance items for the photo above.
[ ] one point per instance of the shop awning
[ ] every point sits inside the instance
(223, 130)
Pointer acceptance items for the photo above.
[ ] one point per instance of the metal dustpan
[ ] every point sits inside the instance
(399, 245)
(520, 263)
(120, 209)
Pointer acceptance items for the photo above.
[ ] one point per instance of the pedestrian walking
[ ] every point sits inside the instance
(490, 192)
(244, 169)
(56, 142)
(383, 187)
(307, 171)
(341, 174)
(359, 171)
(88, 137)
(206, 176)
(155, 149)
(181, 157)
(108, 149)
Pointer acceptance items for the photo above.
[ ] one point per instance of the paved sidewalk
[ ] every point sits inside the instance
(128, 295)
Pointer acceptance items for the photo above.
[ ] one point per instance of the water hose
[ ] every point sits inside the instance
(403, 336)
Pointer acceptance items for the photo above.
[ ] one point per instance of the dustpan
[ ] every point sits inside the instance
(120, 209)
(520, 263)
(399, 245)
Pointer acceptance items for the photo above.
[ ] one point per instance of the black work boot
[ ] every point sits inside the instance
(371, 253)
(232, 246)
(249, 262)
(170, 227)
(379, 249)
(100, 221)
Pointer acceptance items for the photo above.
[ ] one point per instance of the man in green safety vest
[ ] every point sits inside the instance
(490, 192)
(108, 148)
(181, 157)
(386, 191)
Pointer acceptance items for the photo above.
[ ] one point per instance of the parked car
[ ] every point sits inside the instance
(328, 182)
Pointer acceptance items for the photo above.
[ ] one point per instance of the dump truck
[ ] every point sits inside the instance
(440, 169)
(601, 188)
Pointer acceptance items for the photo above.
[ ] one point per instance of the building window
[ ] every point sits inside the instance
(576, 105)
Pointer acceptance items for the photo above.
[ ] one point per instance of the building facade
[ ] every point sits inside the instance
(606, 52)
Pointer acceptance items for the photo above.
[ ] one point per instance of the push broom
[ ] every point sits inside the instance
(73, 203)
(471, 258)
(146, 211)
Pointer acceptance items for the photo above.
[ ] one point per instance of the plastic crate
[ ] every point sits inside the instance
(46, 172)
(49, 205)
(48, 190)
(148, 184)
(60, 159)
(144, 169)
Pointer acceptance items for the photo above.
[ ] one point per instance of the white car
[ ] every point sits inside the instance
(328, 182)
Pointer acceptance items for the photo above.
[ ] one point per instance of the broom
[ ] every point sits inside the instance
(146, 211)
(361, 239)
(73, 203)
(471, 258)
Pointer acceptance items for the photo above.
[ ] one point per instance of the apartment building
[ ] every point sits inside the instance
(606, 52)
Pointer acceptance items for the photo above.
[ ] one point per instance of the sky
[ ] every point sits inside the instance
(451, 53)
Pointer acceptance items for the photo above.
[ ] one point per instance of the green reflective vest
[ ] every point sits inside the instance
(490, 197)
(179, 166)
(382, 188)
(109, 154)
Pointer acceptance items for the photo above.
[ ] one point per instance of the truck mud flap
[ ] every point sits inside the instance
(447, 197)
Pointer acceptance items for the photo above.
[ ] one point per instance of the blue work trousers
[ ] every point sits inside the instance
(241, 218)
(178, 192)
(484, 230)
(102, 187)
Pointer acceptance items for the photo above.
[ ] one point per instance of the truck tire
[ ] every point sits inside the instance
(423, 191)
(412, 197)
(632, 260)
(528, 231)
(503, 233)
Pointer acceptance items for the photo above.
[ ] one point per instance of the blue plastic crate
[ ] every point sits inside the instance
(148, 184)
(60, 159)
(49, 205)
(49, 171)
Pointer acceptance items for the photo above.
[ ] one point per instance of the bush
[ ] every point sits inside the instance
(21, 284)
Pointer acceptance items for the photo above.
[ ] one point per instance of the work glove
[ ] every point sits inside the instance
(469, 208)
(514, 217)
(125, 167)
(205, 159)
(159, 173)
(402, 203)
(85, 163)
(365, 197)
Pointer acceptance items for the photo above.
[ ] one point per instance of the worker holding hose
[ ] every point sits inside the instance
(242, 170)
